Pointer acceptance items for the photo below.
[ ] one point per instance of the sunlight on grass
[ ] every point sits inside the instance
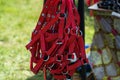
(17, 20)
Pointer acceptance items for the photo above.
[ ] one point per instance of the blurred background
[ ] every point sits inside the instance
(18, 18)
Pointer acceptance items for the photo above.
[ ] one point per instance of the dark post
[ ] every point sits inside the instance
(82, 28)
(44, 1)
(81, 12)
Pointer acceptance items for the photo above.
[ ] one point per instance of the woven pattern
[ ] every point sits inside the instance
(105, 49)
(110, 5)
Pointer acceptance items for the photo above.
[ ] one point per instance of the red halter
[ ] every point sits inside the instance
(56, 43)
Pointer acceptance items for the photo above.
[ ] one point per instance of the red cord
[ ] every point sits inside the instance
(44, 71)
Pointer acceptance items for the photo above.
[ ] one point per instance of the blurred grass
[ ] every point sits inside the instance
(89, 26)
(17, 20)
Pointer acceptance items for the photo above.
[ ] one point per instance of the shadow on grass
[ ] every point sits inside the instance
(38, 76)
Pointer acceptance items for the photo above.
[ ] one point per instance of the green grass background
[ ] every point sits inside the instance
(17, 20)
